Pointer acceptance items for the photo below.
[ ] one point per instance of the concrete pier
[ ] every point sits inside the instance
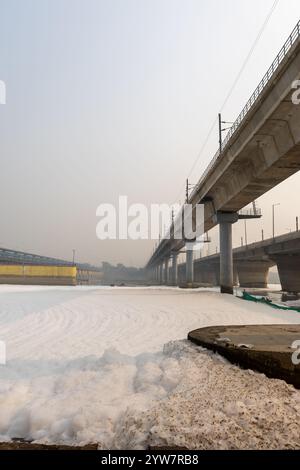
(288, 266)
(174, 276)
(253, 273)
(160, 270)
(189, 266)
(166, 271)
(226, 219)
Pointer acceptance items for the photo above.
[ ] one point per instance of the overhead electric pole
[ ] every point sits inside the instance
(220, 132)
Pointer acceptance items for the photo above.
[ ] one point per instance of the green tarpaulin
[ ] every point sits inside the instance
(266, 300)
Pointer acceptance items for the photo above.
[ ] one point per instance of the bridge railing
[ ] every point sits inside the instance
(294, 36)
(250, 212)
(19, 257)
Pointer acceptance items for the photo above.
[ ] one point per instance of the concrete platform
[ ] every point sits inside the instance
(264, 348)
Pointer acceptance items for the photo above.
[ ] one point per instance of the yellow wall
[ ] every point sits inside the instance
(43, 271)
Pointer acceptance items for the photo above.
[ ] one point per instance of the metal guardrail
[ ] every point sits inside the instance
(20, 257)
(7, 255)
(294, 36)
(250, 212)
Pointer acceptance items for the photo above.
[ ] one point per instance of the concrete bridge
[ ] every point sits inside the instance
(261, 150)
(251, 264)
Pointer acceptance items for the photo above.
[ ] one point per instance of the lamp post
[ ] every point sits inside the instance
(273, 217)
(73, 257)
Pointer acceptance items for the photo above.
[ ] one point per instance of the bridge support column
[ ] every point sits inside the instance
(189, 267)
(157, 274)
(253, 273)
(166, 271)
(160, 274)
(174, 269)
(181, 274)
(226, 219)
(289, 271)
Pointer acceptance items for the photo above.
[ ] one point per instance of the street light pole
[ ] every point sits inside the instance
(73, 257)
(273, 217)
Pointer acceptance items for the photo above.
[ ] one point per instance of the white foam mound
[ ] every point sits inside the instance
(215, 405)
(90, 365)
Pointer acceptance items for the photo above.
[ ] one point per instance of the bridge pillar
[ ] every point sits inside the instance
(160, 275)
(226, 219)
(289, 271)
(181, 274)
(174, 276)
(157, 274)
(189, 266)
(166, 271)
(253, 273)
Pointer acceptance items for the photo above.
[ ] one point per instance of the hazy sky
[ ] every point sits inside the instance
(115, 97)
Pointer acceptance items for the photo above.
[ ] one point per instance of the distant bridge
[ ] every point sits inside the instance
(18, 267)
